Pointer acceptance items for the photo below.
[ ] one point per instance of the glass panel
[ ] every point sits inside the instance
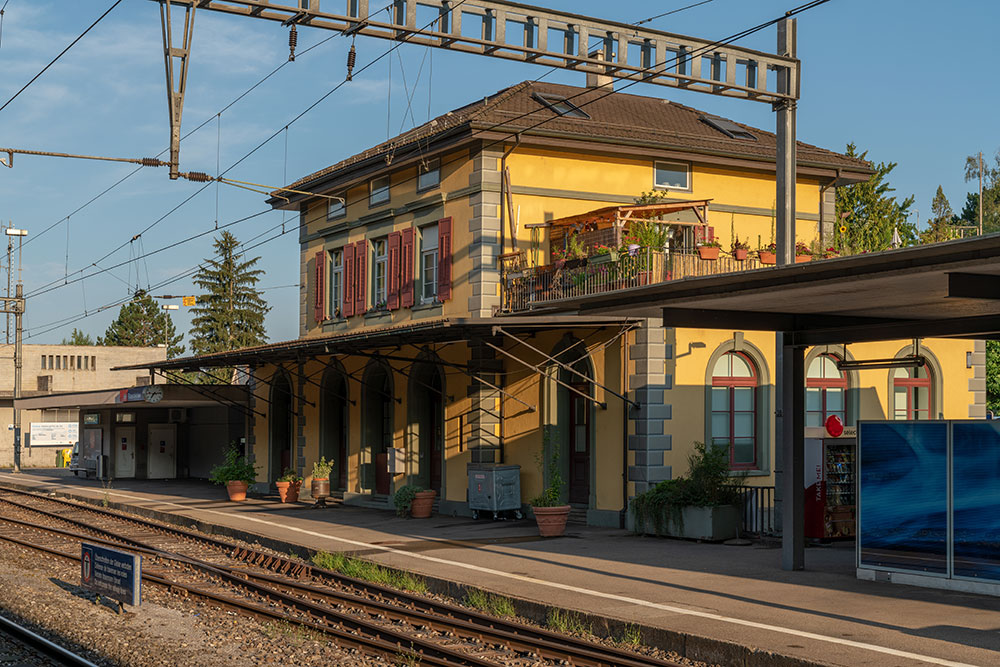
(814, 419)
(671, 175)
(921, 399)
(904, 496)
(721, 369)
(919, 372)
(743, 451)
(741, 369)
(580, 439)
(720, 398)
(815, 368)
(429, 237)
(900, 373)
(813, 399)
(720, 425)
(430, 175)
(743, 398)
(830, 368)
(834, 400)
(336, 209)
(743, 424)
(899, 402)
(976, 497)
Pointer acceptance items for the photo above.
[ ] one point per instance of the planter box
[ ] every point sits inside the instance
(767, 257)
(740, 254)
(710, 253)
(709, 524)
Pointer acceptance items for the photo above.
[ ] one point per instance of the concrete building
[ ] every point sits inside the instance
(427, 264)
(56, 369)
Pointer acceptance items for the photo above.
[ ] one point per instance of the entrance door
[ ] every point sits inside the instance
(579, 446)
(124, 448)
(434, 422)
(162, 451)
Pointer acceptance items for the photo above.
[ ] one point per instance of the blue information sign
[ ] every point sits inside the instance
(110, 572)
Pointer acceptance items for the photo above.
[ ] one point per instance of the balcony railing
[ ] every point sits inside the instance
(531, 287)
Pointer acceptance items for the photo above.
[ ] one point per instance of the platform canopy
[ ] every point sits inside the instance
(943, 290)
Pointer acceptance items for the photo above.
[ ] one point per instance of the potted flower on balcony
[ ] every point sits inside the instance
(288, 486)
(767, 254)
(709, 250)
(550, 511)
(701, 506)
(802, 253)
(236, 473)
(740, 249)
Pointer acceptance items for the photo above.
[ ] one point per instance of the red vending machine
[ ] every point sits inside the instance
(830, 462)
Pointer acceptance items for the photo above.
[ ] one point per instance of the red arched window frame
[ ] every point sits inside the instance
(742, 422)
(824, 384)
(911, 386)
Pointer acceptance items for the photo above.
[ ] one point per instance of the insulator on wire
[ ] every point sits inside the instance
(293, 40)
(152, 162)
(352, 57)
(198, 177)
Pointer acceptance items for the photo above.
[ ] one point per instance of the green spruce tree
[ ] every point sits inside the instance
(230, 312)
(869, 214)
(142, 323)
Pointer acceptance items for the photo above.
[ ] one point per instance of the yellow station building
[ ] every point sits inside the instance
(429, 264)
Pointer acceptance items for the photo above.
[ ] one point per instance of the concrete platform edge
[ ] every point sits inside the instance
(694, 647)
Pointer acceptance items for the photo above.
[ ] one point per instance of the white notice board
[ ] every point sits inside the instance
(54, 433)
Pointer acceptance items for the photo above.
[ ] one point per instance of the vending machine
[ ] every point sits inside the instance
(831, 485)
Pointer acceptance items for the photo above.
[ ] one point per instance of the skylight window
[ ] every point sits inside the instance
(728, 128)
(561, 106)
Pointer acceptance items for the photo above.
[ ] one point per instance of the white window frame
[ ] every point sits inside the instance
(428, 252)
(336, 287)
(661, 186)
(380, 283)
(377, 193)
(337, 208)
(428, 174)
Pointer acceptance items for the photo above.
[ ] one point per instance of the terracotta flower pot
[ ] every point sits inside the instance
(708, 252)
(551, 520)
(740, 254)
(237, 489)
(799, 259)
(288, 492)
(422, 504)
(767, 257)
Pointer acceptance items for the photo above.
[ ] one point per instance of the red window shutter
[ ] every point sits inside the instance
(360, 277)
(444, 259)
(347, 303)
(392, 296)
(711, 233)
(406, 270)
(320, 291)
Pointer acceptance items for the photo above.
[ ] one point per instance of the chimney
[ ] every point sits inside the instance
(600, 80)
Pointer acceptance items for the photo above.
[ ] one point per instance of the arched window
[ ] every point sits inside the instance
(826, 391)
(911, 393)
(734, 408)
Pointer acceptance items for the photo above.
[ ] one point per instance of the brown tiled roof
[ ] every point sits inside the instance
(631, 119)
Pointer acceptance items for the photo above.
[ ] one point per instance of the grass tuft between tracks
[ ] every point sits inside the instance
(368, 571)
(497, 605)
(567, 621)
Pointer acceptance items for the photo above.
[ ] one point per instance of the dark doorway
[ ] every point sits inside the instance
(333, 421)
(378, 429)
(426, 416)
(281, 426)
(579, 446)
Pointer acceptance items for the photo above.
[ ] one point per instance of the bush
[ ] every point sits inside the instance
(322, 468)
(404, 499)
(289, 476)
(235, 468)
(709, 484)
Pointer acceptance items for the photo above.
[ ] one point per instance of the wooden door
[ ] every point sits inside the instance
(579, 446)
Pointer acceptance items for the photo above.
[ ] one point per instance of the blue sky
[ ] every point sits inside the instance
(909, 81)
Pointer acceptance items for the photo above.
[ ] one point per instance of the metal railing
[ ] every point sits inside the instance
(757, 510)
(530, 287)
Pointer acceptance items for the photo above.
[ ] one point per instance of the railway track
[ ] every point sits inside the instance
(358, 614)
(20, 646)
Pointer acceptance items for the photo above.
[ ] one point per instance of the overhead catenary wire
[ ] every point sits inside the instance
(61, 53)
(697, 53)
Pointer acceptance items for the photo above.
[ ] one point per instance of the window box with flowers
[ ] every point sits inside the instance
(802, 253)
(709, 250)
(740, 249)
(767, 254)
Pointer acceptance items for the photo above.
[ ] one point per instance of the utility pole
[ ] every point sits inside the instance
(16, 306)
(980, 193)
(10, 248)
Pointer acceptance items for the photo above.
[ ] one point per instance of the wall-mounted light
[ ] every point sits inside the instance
(909, 361)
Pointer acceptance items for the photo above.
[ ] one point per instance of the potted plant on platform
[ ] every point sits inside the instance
(709, 250)
(550, 511)
(414, 501)
(288, 486)
(701, 506)
(236, 473)
(320, 485)
(767, 254)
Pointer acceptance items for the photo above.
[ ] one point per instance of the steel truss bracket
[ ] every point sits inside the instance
(176, 62)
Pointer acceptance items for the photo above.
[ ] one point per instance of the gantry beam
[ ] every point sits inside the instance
(175, 59)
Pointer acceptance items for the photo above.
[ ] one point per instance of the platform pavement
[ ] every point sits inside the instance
(706, 600)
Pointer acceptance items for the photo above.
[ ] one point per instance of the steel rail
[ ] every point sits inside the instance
(426, 611)
(50, 649)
